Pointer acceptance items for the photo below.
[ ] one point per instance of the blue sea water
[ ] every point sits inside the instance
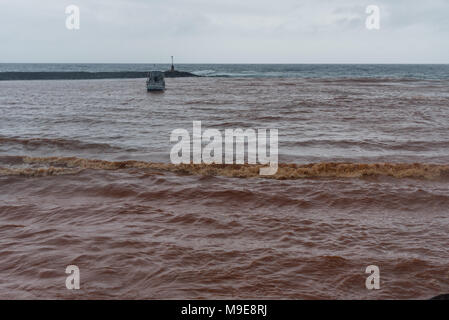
(395, 71)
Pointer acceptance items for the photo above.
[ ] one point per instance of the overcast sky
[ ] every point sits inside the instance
(225, 31)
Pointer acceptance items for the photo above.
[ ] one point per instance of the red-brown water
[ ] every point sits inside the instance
(147, 229)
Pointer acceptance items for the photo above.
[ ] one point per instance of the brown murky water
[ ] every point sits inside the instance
(85, 179)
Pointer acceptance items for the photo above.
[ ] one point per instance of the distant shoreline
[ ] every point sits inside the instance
(84, 75)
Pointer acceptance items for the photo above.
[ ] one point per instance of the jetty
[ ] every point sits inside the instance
(85, 75)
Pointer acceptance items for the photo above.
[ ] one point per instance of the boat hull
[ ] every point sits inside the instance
(155, 89)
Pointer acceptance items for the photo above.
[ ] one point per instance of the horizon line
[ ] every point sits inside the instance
(243, 63)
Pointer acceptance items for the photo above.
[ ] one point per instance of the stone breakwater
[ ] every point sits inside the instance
(81, 75)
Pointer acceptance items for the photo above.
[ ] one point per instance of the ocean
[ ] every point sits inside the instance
(396, 71)
(363, 179)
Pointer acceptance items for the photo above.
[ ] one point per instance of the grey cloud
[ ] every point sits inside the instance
(224, 31)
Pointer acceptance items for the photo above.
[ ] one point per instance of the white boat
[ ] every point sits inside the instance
(155, 81)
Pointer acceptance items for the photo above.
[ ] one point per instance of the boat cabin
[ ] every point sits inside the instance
(156, 81)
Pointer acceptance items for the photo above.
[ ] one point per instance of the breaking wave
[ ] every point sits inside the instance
(70, 165)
